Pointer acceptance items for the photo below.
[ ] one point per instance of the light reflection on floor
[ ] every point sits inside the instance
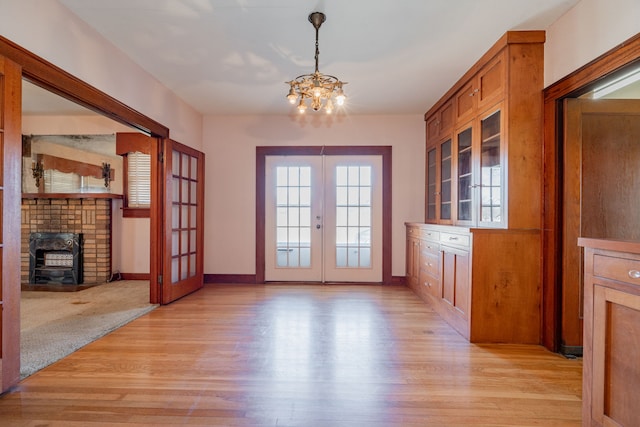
(323, 355)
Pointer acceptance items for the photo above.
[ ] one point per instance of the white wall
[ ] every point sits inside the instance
(130, 242)
(230, 147)
(585, 32)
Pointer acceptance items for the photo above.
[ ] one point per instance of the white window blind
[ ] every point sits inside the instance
(138, 180)
(60, 182)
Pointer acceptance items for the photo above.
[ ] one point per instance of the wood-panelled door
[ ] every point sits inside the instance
(183, 271)
(601, 189)
(10, 187)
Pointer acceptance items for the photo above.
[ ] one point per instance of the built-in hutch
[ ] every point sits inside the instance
(476, 258)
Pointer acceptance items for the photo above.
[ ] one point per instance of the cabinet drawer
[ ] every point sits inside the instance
(427, 247)
(620, 269)
(455, 239)
(431, 264)
(413, 231)
(430, 235)
(430, 282)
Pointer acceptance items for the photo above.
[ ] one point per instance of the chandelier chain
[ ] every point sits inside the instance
(317, 49)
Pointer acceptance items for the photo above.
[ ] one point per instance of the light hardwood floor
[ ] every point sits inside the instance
(298, 355)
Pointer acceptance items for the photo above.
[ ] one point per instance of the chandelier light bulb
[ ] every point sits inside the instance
(316, 104)
(340, 97)
(319, 88)
(292, 96)
(302, 106)
(329, 107)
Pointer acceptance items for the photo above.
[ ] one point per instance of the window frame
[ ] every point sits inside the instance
(128, 143)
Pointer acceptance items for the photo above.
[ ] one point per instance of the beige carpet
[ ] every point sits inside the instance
(55, 324)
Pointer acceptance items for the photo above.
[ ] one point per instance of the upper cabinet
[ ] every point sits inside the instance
(483, 90)
(484, 157)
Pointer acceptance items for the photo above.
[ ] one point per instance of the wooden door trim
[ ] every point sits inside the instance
(10, 172)
(384, 151)
(580, 81)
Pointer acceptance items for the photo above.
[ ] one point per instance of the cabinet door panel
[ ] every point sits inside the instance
(433, 128)
(461, 291)
(491, 170)
(431, 184)
(446, 160)
(491, 82)
(448, 276)
(465, 175)
(464, 102)
(616, 345)
(446, 119)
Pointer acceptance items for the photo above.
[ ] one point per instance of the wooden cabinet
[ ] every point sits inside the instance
(431, 185)
(440, 124)
(484, 194)
(611, 372)
(413, 257)
(482, 90)
(430, 264)
(423, 261)
(483, 285)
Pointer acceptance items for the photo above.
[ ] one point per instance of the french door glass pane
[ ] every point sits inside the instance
(293, 216)
(184, 185)
(353, 216)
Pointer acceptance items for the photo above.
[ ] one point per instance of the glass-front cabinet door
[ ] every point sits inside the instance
(465, 175)
(431, 184)
(446, 160)
(491, 171)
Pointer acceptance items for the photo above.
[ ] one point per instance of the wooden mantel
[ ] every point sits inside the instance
(71, 196)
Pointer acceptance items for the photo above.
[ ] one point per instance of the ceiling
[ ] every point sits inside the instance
(234, 56)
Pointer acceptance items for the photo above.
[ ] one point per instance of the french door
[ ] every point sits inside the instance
(323, 218)
(183, 176)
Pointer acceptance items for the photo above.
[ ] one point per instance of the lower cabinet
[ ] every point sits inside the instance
(611, 372)
(484, 282)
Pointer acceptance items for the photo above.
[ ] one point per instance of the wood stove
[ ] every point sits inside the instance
(55, 258)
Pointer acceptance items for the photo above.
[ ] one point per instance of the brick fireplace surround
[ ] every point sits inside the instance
(89, 216)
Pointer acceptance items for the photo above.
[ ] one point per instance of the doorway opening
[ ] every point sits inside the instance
(62, 308)
(568, 196)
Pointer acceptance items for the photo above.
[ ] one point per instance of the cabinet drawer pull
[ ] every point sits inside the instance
(453, 238)
(634, 274)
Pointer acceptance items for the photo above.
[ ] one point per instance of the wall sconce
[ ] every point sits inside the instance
(106, 173)
(38, 172)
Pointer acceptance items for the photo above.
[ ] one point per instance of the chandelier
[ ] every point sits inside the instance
(321, 89)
